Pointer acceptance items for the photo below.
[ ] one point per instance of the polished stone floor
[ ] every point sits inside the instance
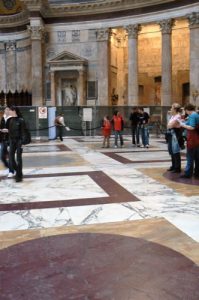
(95, 223)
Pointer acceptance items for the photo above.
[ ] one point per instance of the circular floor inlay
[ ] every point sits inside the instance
(90, 266)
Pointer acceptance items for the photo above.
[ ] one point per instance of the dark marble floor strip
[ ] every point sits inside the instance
(116, 192)
(125, 160)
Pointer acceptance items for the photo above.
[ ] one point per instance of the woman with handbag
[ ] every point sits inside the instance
(174, 138)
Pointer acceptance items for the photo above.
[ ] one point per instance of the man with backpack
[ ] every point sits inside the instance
(60, 125)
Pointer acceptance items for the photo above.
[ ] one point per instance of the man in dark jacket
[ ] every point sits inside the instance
(16, 134)
(134, 118)
(4, 125)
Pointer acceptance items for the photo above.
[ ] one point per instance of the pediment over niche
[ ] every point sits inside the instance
(66, 56)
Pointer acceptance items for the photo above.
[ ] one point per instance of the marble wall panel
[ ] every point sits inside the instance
(2, 72)
(24, 81)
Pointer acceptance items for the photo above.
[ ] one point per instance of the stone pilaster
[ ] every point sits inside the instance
(36, 34)
(166, 29)
(103, 66)
(194, 57)
(133, 93)
(10, 66)
(81, 89)
(52, 86)
(121, 86)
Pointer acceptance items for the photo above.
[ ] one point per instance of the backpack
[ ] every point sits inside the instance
(26, 135)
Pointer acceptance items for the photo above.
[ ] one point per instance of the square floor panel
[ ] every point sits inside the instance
(62, 190)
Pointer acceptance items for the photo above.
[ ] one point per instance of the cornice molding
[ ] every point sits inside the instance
(21, 18)
(100, 6)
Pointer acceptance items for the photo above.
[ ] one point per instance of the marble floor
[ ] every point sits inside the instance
(96, 223)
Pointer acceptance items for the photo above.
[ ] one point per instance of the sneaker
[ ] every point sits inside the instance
(10, 175)
(115, 146)
(147, 146)
(141, 146)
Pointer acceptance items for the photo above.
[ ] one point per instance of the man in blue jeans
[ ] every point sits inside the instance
(143, 120)
(192, 127)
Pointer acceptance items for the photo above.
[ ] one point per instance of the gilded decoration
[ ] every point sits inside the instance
(10, 7)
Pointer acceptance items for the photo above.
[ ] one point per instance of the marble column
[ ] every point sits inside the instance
(133, 91)
(52, 86)
(81, 83)
(194, 58)
(166, 29)
(103, 66)
(36, 33)
(121, 86)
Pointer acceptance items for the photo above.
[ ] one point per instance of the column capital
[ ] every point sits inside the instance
(103, 34)
(166, 26)
(36, 32)
(193, 19)
(133, 30)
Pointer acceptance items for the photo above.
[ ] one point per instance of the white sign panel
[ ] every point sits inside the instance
(87, 114)
(43, 112)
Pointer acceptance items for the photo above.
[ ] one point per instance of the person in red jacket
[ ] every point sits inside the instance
(118, 126)
(106, 131)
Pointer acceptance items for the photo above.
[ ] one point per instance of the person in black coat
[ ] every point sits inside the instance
(4, 125)
(16, 132)
(134, 118)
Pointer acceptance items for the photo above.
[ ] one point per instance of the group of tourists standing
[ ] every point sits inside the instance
(139, 127)
(183, 125)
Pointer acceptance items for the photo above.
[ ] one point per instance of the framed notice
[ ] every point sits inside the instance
(43, 112)
(87, 114)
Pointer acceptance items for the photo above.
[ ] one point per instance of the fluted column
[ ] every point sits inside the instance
(166, 28)
(52, 86)
(194, 57)
(103, 66)
(133, 92)
(36, 34)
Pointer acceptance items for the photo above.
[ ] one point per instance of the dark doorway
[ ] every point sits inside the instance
(185, 93)
(24, 98)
